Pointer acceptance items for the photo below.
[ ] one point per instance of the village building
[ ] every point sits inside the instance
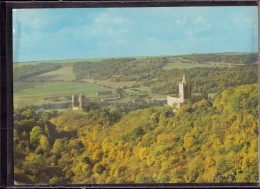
(99, 93)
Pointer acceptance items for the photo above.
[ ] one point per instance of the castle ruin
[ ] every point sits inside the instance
(78, 102)
(184, 95)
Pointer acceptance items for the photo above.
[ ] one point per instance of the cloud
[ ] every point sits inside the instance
(107, 23)
(91, 32)
(180, 21)
(200, 20)
(190, 33)
(33, 19)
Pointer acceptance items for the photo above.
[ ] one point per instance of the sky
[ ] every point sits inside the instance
(82, 33)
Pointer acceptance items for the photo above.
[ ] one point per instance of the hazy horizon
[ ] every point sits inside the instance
(135, 56)
(90, 33)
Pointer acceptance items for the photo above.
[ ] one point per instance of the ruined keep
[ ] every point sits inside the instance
(184, 95)
(78, 102)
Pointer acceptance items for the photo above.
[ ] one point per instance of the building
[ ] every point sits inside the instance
(99, 93)
(183, 97)
(78, 102)
(159, 100)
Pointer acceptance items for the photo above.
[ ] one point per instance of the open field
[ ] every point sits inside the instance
(62, 74)
(35, 95)
(144, 90)
(180, 63)
(110, 84)
(61, 82)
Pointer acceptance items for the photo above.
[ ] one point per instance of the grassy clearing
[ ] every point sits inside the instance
(62, 74)
(212, 95)
(35, 95)
(19, 86)
(111, 84)
(180, 63)
(144, 90)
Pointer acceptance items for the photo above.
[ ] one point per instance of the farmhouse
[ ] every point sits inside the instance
(99, 93)
(184, 95)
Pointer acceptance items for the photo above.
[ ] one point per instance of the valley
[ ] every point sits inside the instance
(126, 133)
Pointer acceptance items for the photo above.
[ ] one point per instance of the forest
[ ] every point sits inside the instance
(149, 73)
(250, 58)
(200, 142)
(136, 140)
(129, 68)
(26, 71)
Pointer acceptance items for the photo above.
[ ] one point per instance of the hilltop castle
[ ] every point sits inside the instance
(78, 102)
(184, 95)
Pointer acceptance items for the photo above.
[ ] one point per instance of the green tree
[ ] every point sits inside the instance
(44, 143)
(58, 147)
(35, 134)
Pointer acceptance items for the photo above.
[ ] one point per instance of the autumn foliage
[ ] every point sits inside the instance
(201, 142)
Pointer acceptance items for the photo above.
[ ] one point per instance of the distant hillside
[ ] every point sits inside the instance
(153, 76)
(150, 72)
(236, 58)
(226, 55)
(200, 143)
(26, 71)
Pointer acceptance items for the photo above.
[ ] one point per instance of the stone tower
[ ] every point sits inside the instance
(74, 101)
(78, 101)
(81, 101)
(184, 91)
(184, 95)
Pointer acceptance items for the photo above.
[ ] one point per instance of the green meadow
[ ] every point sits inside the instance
(136, 75)
(36, 94)
(64, 74)
(110, 84)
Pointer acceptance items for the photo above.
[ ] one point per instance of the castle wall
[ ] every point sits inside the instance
(174, 100)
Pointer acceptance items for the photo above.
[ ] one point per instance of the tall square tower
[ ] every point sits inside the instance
(184, 91)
